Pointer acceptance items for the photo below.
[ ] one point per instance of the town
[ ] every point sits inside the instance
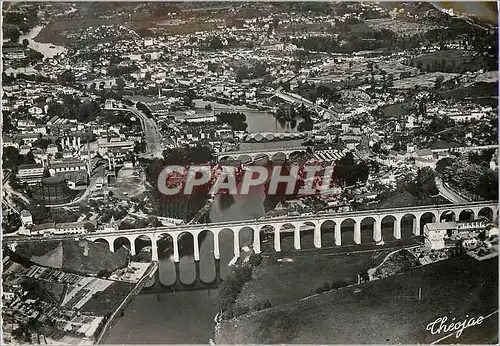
(397, 102)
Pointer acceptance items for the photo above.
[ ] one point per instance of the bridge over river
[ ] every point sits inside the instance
(296, 225)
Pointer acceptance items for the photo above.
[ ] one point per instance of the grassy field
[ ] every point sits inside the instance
(478, 90)
(77, 256)
(424, 80)
(452, 61)
(382, 311)
(103, 303)
(282, 278)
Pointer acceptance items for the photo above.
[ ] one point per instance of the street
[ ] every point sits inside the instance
(151, 134)
(449, 194)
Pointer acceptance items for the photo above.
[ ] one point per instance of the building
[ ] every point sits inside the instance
(26, 218)
(30, 174)
(441, 235)
(424, 158)
(67, 166)
(63, 228)
(55, 190)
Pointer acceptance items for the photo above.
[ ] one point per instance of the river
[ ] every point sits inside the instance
(48, 50)
(187, 317)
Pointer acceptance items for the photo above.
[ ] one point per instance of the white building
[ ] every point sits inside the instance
(26, 218)
(31, 174)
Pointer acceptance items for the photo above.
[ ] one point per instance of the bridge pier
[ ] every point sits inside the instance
(296, 237)
(377, 231)
(357, 232)
(196, 248)
(216, 246)
(132, 246)
(277, 240)
(111, 244)
(236, 239)
(256, 240)
(317, 236)
(397, 228)
(416, 225)
(154, 248)
(176, 248)
(338, 234)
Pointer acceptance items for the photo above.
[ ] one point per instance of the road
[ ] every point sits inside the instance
(151, 134)
(449, 194)
(99, 172)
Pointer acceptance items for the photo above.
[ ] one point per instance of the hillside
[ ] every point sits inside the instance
(78, 256)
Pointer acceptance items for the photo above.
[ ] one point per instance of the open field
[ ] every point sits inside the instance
(424, 81)
(451, 61)
(75, 256)
(398, 26)
(381, 311)
(478, 90)
(284, 278)
(56, 31)
(105, 302)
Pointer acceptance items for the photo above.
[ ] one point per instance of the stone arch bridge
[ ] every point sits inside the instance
(419, 216)
(251, 155)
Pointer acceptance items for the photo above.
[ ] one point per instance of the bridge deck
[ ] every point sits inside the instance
(263, 151)
(279, 220)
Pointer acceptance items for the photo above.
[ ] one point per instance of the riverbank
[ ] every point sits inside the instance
(137, 288)
(46, 45)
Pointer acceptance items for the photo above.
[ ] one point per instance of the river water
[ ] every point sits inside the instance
(48, 50)
(187, 317)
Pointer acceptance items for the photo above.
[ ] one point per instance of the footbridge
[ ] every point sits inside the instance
(318, 224)
(251, 155)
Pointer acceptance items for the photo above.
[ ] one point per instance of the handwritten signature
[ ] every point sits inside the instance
(439, 325)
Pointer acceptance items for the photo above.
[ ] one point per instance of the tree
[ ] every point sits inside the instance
(216, 43)
(208, 107)
(438, 82)
(89, 227)
(26, 42)
(66, 78)
(120, 83)
(11, 157)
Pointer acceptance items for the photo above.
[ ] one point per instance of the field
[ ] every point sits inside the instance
(478, 90)
(451, 61)
(56, 31)
(77, 256)
(382, 311)
(280, 279)
(424, 81)
(106, 302)
(398, 26)
(130, 182)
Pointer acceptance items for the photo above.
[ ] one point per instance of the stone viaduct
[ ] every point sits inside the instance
(298, 224)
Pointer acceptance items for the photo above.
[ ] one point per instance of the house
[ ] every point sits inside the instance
(440, 235)
(26, 218)
(424, 158)
(9, 142)
(35, 111)
(63, 228)
(52, 149)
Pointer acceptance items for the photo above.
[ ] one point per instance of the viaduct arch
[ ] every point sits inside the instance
(276, 226)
